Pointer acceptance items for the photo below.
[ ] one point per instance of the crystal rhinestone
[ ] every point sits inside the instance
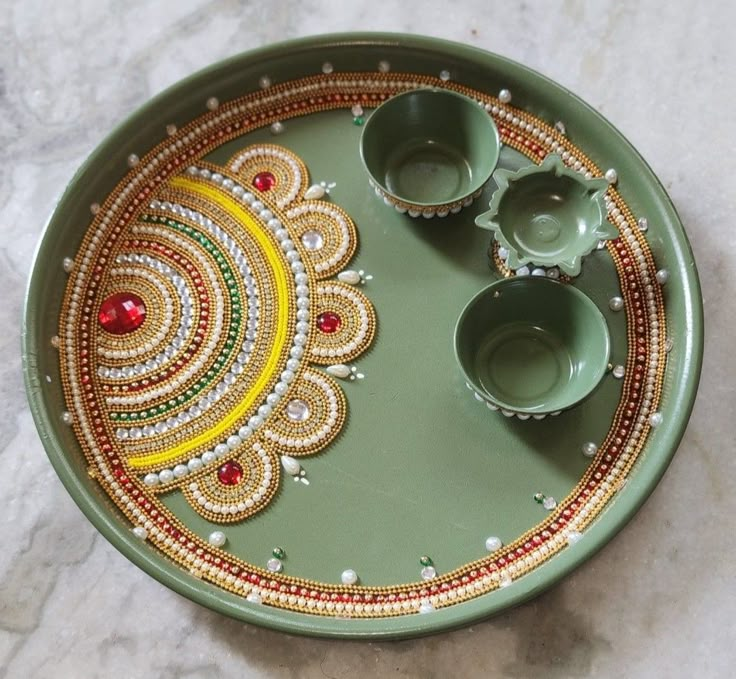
(313, 240)
(217, 538)
(327, 68)
(560, 127)
(122, 313)
(264, 81)
(68, 264)
(297, 410)
(669, 344)
(66, 417)
(230, 473)
(274, 565)
(549, 503)
(426, 607)
(264, 181)
(349, 577)
(384, 66)
(55, 342)
(618, 372)
(493, 543)
(643, 223)
(428, 572)
(277, 127)
(444, 76)
(213, 103)
(357, 110)
(328, 322)
(590, 449)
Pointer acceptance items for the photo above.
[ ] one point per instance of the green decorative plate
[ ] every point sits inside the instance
(240, 360)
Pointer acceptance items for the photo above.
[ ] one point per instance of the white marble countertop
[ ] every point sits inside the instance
(72, 606)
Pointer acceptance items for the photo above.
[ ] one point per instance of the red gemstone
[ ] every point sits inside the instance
(329, 322)
(230, 473)
(264, 181)
(122, 313)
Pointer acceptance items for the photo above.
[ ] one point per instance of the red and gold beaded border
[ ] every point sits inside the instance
(640, 394)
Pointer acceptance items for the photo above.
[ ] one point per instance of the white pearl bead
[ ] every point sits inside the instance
(504, 96)
(573, 537)
(68, 264)
(656, 419)
(590, 449)
(618, 371)
(349, 577)
(493, 543)
(140, 532)
(217, 538)
(662, 276)
(611, 176)
(616, 303)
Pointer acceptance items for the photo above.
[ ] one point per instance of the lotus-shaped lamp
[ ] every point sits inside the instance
(548, 215)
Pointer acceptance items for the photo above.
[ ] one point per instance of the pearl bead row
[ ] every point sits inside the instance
(363, 322)
(170, 351)
(271, 152)
(328, 425)
(254, 498)
(300, 340)
(213, 338)
(339, 219)
(232, 248)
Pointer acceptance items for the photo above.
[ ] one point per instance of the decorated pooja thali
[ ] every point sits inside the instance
(256, 366)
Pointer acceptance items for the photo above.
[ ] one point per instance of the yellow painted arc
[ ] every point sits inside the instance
(276, 263)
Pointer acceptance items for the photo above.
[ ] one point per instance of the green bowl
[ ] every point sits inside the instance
(548, 216)
(532, 346)
(429, 152)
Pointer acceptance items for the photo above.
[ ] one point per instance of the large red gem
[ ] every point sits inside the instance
(121, 313)
(329, 322)
(230, 473)
(264, 181)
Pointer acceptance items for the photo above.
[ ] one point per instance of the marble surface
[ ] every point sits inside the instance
(71, 606)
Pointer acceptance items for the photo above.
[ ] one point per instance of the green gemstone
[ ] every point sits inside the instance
(425, 560)
(539, 498)
(358, 120)
(278, 553)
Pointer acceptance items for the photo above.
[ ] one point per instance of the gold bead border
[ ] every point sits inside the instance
(123, 203)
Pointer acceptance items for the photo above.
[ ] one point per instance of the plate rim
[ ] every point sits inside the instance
(646, 476)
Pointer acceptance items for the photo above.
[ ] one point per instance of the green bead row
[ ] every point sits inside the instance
(184, 399)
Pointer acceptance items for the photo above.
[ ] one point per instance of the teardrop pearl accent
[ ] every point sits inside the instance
(314, 192)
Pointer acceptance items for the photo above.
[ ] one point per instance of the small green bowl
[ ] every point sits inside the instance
(548, 216)
(429, 152)
(531, 346)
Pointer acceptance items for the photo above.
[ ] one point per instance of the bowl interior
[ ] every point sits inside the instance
(430, 147)
(543, 215)
(532, 345)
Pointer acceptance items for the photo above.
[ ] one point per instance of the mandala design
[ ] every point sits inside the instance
(201, 315)
(218, 301)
